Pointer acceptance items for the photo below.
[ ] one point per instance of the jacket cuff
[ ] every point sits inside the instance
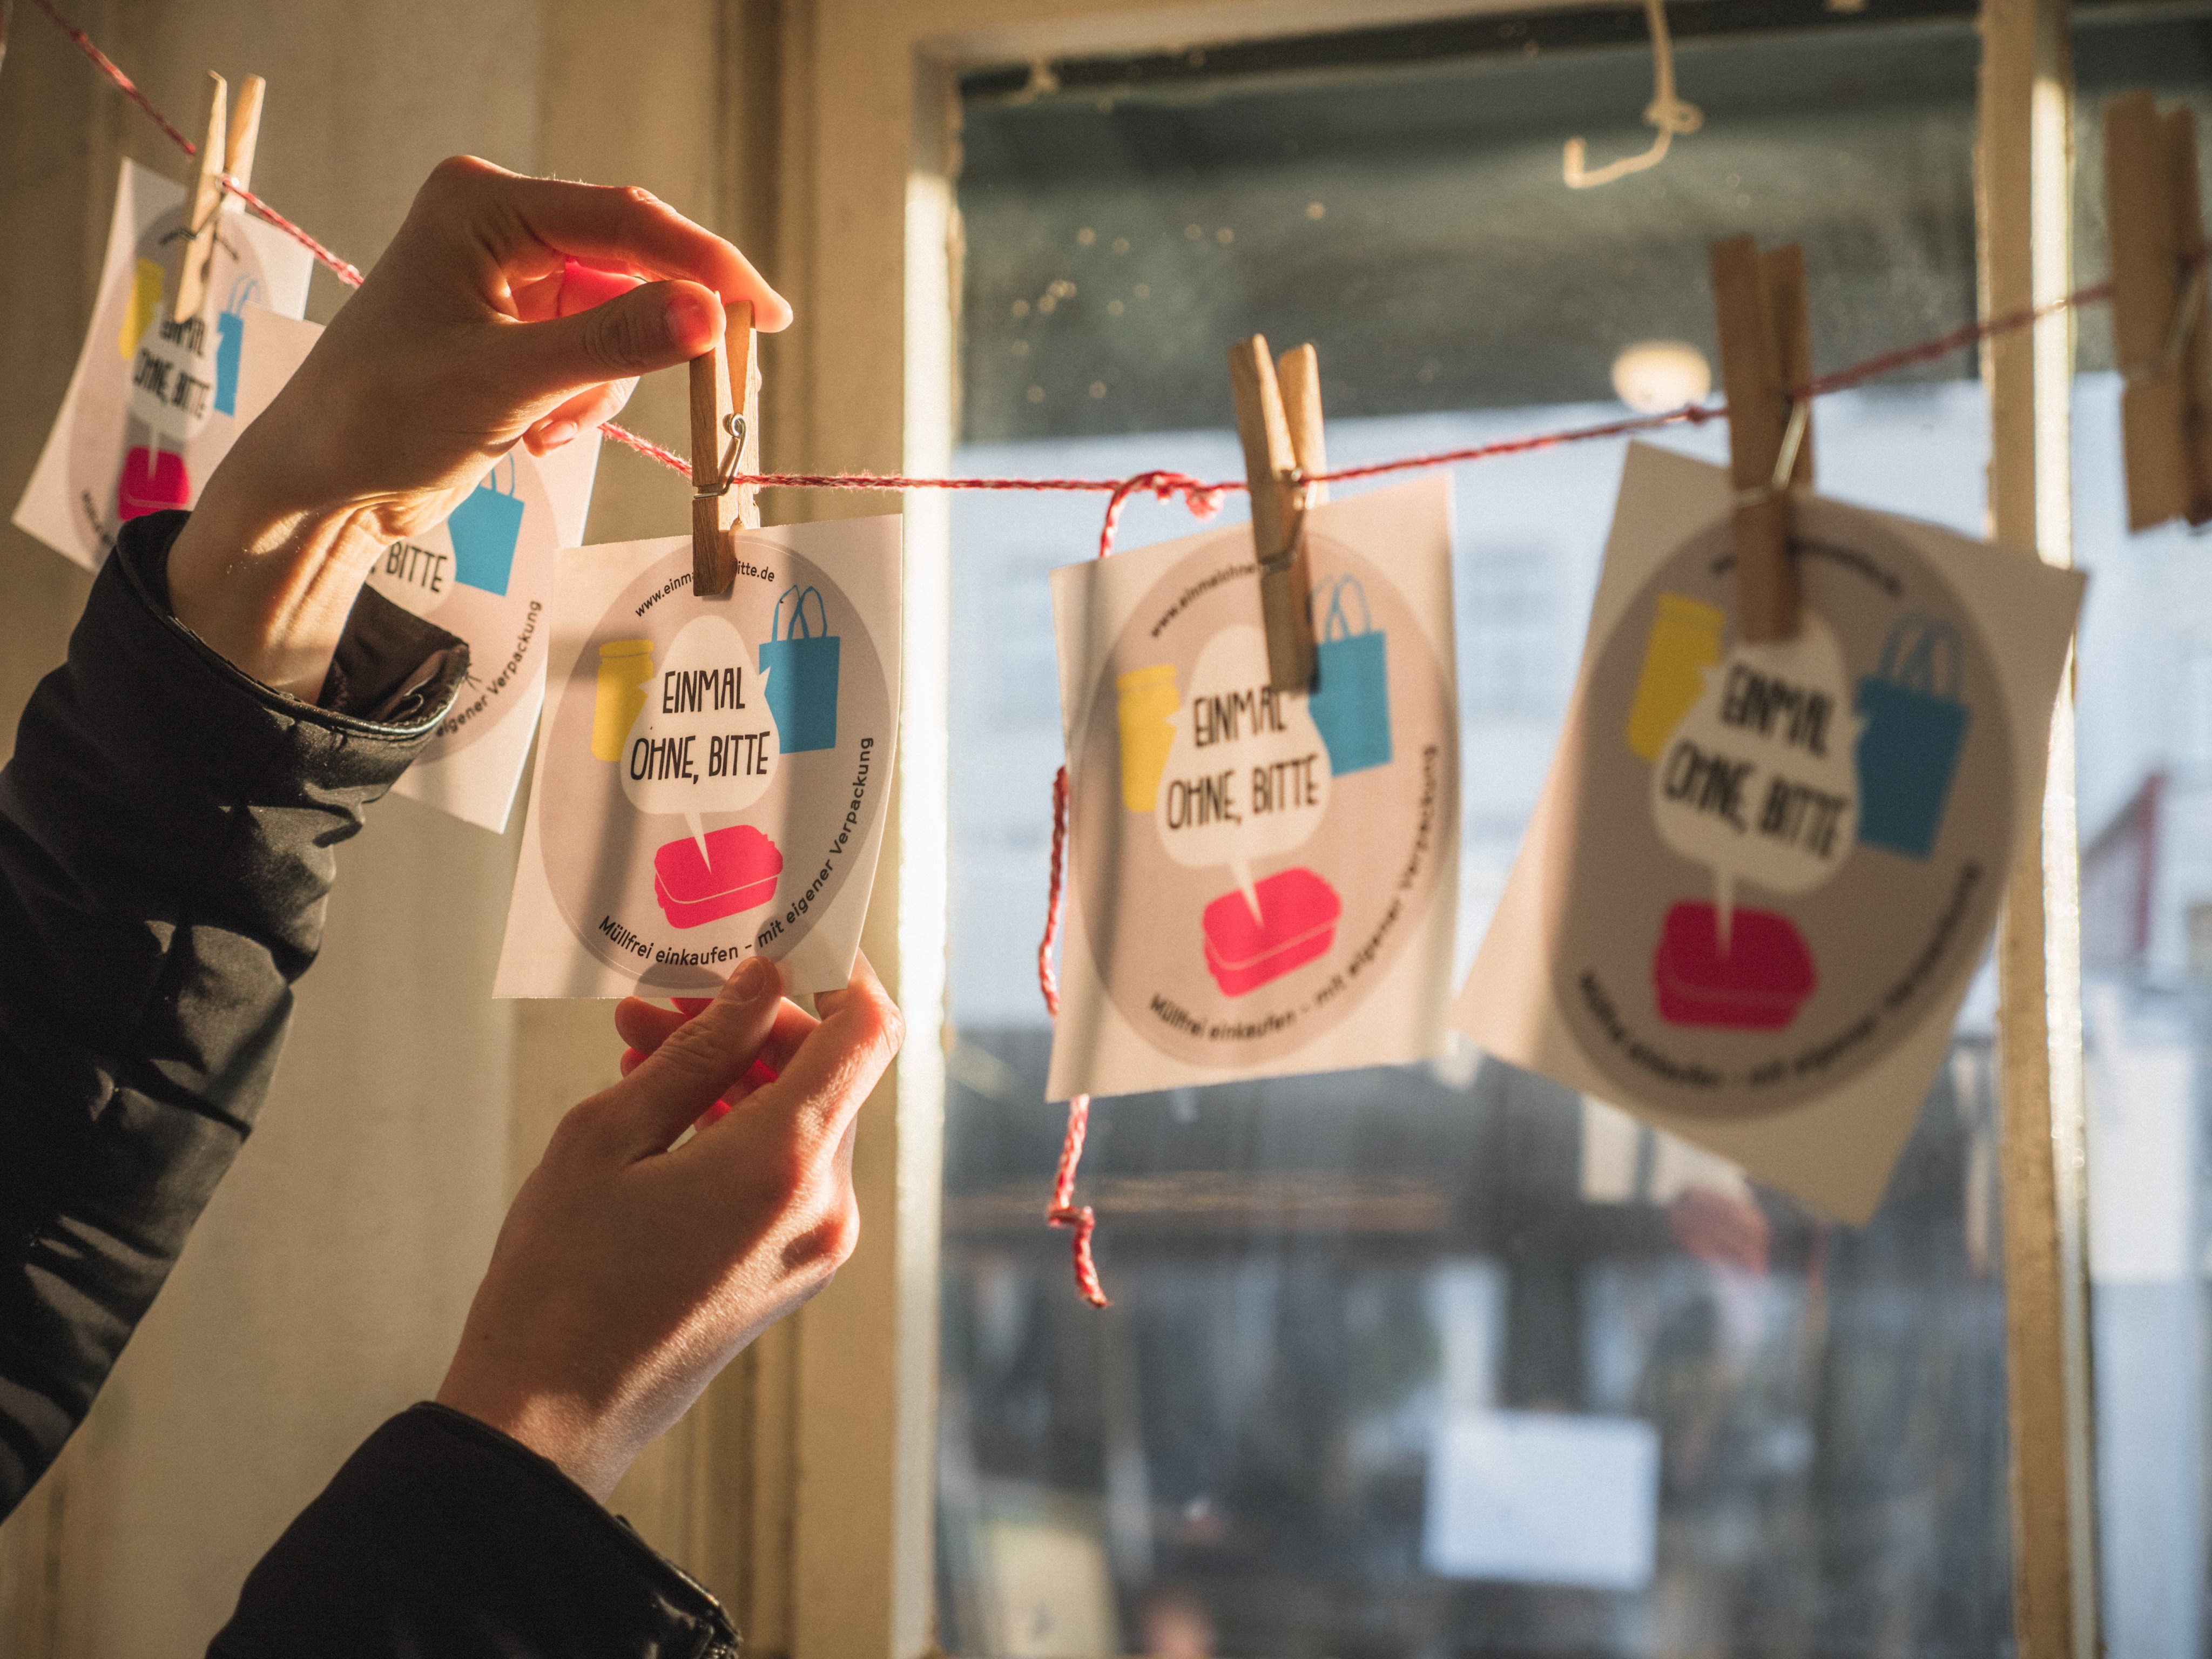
(443, 1536)
(392, 671)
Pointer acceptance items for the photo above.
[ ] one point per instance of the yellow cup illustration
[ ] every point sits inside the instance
(1148, 698)
(624, 667)
(1685, 640)
(145, 300)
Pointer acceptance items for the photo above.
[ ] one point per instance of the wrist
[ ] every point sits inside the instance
(563, 1430)
(269, 582)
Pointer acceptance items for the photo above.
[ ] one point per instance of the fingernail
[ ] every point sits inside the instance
(557, 433)
(757, 977)
(690, 322)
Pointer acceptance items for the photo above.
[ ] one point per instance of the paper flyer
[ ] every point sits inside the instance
(1761, 877)
(712, 774)
(153, 405)
(485, 575)
(1260, 884)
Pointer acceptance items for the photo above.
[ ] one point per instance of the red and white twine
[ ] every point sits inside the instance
(1203, 500)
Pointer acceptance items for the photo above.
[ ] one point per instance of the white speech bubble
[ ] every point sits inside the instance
(704, 741)
(173, 376)
(417, 572)
(1759, 780)
(1247, 775)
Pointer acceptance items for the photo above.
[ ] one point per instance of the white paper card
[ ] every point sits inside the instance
(1543, 1498)
(713, 775)
(153, 405)
(485, 575)
(1259, 884)
(1760, 878)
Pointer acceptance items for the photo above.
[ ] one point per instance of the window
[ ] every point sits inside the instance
(1516, 638)
(2192, 712)
(2145, 747)
(1710, 1422)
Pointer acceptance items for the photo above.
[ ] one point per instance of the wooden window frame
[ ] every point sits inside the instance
(809, 1472)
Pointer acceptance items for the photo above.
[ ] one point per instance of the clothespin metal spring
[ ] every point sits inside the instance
(2171, 356)
(1785, 459)
(727, 474)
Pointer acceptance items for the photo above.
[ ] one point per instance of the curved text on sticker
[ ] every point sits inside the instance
(1758, 780)
(1247, 776)
(704, 741)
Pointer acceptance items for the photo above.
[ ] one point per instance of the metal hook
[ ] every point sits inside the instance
(2168, 360)
(1666, 112)
(1785, 459)
(734, 424)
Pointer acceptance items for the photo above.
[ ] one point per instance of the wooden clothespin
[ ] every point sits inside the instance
(2162, 312)
(196, 249)
(225, 147)
(245, 136)
(1766, 347)
(725, 441)
(1278, 419)
(1297, 373)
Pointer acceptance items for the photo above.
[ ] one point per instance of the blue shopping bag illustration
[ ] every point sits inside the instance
(1915, 726)
(485, 529)
(1351, 698)
(800, 663)
(229, 340)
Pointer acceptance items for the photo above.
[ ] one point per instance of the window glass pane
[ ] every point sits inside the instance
(1448, 1361)
(2145, 748)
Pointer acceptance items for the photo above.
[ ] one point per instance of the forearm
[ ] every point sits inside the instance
(167, 827)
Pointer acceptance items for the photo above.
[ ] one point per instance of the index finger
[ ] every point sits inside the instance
(631, 229)
(645, 1028)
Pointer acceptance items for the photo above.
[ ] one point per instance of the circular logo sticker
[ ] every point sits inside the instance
(719, 765)
(482, 574)
(1778, 858)
(1249, 863)
(183, 380)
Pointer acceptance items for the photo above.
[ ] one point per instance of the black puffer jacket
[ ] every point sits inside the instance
(166, 834)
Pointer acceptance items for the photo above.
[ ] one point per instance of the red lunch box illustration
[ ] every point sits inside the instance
(152, 479)
(1757, 984)
(737, 871)
(1296, 922)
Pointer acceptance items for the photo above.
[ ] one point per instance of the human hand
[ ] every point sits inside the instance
(630, 1270)
(465, 341)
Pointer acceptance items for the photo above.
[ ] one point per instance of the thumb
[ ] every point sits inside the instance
(654, 326)
(700, 1061)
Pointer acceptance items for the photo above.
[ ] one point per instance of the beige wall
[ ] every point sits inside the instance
(325, 1284)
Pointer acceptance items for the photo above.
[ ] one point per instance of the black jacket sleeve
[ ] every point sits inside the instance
(167, 827)
(443, 1536)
